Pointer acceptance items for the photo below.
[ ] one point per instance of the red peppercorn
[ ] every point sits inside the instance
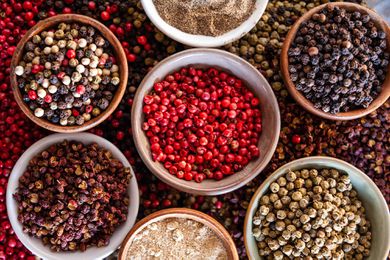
(105, 16)
(296, 139)
(142, 40)
(27, 5)
(196, 135)
(80, 89)
(29, 16)
(67, 10)
(91, 5)
(131, 57)
(71, 54)
(32, 95)
(48, 98)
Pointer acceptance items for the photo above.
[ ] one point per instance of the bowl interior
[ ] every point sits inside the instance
(253, 80)
(195, 215)
(35, 245)
(371, 197)
(117, 50)
(202, 40)
(307, 104)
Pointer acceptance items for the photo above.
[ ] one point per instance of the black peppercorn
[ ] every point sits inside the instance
(342, 51)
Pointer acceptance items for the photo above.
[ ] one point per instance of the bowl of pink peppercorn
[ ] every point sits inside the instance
(205, 121)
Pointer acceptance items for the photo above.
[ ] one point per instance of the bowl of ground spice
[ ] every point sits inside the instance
(336, 61)
(72, 196)
(178, 233)
(204, 23)
(205, 121)
(319, 208)
(68, 73)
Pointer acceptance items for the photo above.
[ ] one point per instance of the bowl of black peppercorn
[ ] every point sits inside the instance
(335, 61)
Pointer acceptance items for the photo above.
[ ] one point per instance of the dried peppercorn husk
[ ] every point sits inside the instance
(73, 196)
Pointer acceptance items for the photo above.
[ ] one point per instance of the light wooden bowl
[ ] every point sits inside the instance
(119, 54)
(369, 194)
(195, 215)
(308, 105)
(204, 58)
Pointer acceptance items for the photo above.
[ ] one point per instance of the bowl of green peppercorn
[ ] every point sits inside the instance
(335, 61)
(68, 73)
(317, 207)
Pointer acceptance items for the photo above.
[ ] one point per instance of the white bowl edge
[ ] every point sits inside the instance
(202, 40)
(368, 192)
(35, 245)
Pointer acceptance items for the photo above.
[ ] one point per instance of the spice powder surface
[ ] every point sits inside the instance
(205, 17)
(176, 238)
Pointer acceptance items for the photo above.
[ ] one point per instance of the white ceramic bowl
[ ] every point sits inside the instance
(201, 40)
(371, 197)
(205, 58)
(35, 245)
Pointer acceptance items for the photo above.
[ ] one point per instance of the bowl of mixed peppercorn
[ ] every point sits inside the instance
(68, 73)
(335, 61)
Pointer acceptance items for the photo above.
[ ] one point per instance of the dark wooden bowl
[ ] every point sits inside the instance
(192, 214)
(308, 105)
(119, 54)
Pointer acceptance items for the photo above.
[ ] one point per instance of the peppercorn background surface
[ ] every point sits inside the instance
(363, 142)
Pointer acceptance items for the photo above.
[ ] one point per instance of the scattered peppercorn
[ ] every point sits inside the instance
(73, 196)
(338, 60)
(202, 124)
(312, 213)
(67, 70)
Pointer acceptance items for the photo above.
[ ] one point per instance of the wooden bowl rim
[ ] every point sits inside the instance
(192, 214)
(117, 50)
(302, 100)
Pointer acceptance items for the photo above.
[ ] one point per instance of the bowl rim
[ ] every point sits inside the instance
(187, 186)
(298, 164)
(195, 215)
(31, 242)
(202, 40)
(307, 104)
(117, 50)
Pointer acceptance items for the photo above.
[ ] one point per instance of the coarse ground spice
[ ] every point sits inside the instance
(205, 17)
(176, 238)
(362, 142)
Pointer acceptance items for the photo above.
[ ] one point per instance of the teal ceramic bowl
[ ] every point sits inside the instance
(368, 193)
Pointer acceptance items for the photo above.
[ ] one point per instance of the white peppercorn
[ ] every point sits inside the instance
(19, 70)
(310, 221)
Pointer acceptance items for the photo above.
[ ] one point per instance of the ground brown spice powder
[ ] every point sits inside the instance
(205, 17)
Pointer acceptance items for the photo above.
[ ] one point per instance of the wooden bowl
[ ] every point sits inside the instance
(369, 194)
(195, 215)
(308, 105)
(119, 54)
(205, 58)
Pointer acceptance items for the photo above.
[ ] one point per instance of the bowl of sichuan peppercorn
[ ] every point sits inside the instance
(336, 61)
(205, 121)
(317, 208)
(68, 73)
(72, 196)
